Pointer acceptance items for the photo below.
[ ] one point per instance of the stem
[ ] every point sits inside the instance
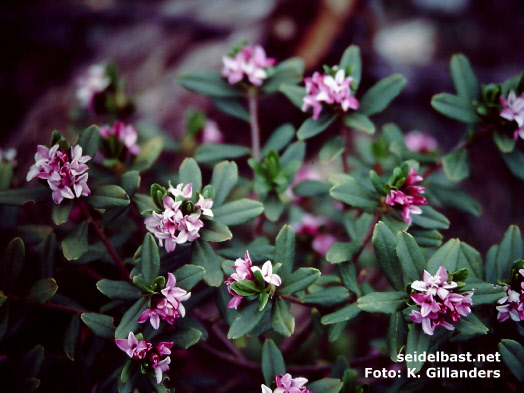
(101, 235)
(296, 300)
(253, 121)
(344, 132)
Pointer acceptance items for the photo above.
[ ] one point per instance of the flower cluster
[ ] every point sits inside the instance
(438, 301)
(249, 62)
(512, 305)
(167, 306)
(331, 89)
(245, 271)
(124, 133)
(211, 133)
(8, 155)
(66, 174)
(407, 196)
(513, 110)
(419, 142)
(94, 82)
(153, 358)
(286, 384)
(311, 226)
(179, 222)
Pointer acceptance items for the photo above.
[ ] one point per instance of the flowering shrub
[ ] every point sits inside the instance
(146, 284)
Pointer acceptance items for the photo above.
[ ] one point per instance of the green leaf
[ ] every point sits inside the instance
(344, 314)
(12, 262)
(331, 150)
(189, 172)
(397, 335)
(284, 252)
(233, 107)
(238, 212)
(299, 280)
(509, 251)
(119, 290)
(325, 385)
(279, 139)
(410, 256)
(88, 141)
(42, 290)
(470, 259)
(130, 183)
(311, 188)
(418, 342)
(491, 266)
(100, 324)
(108, 196)
(272, 361)
(351, 193)
(71, 337)
(281, 320)
(204, 256)
(244, 287)
(289, 71)
(19, 196)
(245, 321)
(360, 122)
(294, 152)
(224, 178)
(129, 323)
(215, 231)
(46, 254)
(184, 338)
(430, 219)
(351, 58)
(60, 213)
(342, 252)
(312, 127)
(75, 244)
(385, 244)
(456, 165)
(129, 370)
(383, 302)
(348, 274)
(262, 300)
(447, 256)
(464, 78)
(208, 83)
(426, 237)
(505, 143)
(150, 259)
(6, 175)
(485, 292)
(514, 161)
(456, 199)
(380, 95)
(513, 355)
(211, 152)
(327, 297)
(455, 107)
(149, 153)
(31, 362)
(188, 276)
(273, 207)
(470, 325)
(294, 93)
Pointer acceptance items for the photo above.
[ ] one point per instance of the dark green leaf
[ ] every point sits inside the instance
(273, 207)
(327, 297)
(464, 79)
(225, 176)
(184, 338)
(150, 259)
(233, 107)
(46, 253)
(380, 95)
(470, 325)
(238, 212)
(211, 152)
(344, 314)
(281, 320)
(299, 280)
(149, 153)
(509, 251)
(311, 188)
(188, 276)
(289, 71)
(88, 141)
(360, 122)
(119, 290)
(203, 255)
(75, 244)
(383, 302)
(279, 139)
(397, 335)
(244, 287)
(342, 252)
(294, 152)
(455, 107)
(71, 337)
(189, 172)
(331, 150)
(245, 321)
(513, 355)
(6, 175)
(448, 256)
(312, 127)
(485, 292)
(430, 219)
(325, 385)
(353, 194)
(208, 83)
(385, 244)
(351, 58)
(60, 213)
(504, 142)
(42, 290)
(32, 361)
(100, 324)
(130, 183)
(410, 256)
(470, 259)
(418, 342)
(108, 196)
(215, 231)
(348, 274)
(11, 263)
(284, 252)
(272, 361)
(294, 93)
(514, 161)
(426, 237)
(129, 323)
(19, 196)
(456, 165)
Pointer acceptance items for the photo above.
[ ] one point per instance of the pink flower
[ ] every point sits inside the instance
(513, 110)
(181, 190)
(267, 273)
(168, 307)
(512, 305)
(91, 84)
(286, 384)
(311, 226)
(65, 175)
(211, 133)
(333, 90)
(205, 204)
(419, 142)
(126, 134)
(134, 348)
(438, 303)
(161, 367)
(407, 197)
(8, 155)
(250, 62)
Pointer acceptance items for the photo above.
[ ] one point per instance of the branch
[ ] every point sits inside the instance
(296, 300)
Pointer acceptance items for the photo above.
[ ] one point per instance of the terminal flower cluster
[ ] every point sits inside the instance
(331, 89)
(407, 197)
(311, 226)
(513, 110)
(167, 306)
(419, 142)
(179, 222)
(94, 82)
(245, 271)
(65, 173)
(286, 384)
(512, 305)
(438, 302)
(153, 358)
(249, 62)
(125, 134)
